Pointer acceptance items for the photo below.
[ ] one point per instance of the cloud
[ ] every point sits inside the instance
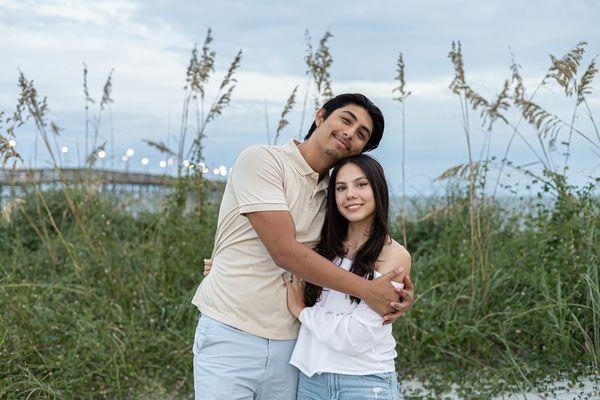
(148, 43)
(101, 13)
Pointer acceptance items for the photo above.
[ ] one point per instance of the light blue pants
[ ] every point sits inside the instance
(230, 364)
(328, 386)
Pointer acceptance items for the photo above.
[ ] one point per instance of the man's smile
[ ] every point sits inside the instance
(344, 143)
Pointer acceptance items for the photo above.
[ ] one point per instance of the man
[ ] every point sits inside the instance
(270, 218)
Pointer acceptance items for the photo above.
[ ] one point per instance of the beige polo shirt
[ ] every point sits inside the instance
(244, 288)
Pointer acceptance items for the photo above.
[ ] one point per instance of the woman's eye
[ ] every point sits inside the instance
(362, 184)
(340, 188)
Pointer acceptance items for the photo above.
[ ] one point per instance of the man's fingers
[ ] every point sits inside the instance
(391, 318)
(406, 295)
(402, 307)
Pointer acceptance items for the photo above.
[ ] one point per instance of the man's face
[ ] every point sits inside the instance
(345, 132)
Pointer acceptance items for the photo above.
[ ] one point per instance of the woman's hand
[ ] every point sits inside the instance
(295, 294)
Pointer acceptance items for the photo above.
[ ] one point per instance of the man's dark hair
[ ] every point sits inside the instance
(362, 101)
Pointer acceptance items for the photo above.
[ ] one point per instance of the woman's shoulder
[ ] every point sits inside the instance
(393, 256)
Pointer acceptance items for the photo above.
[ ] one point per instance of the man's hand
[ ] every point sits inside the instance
(380, 293)
(207, 266)
(407, 297)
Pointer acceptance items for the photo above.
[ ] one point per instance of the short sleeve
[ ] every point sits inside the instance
(257, 181)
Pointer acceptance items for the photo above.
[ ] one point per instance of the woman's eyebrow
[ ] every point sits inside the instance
(354, 180)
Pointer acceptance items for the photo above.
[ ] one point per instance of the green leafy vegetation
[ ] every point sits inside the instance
(95, 298)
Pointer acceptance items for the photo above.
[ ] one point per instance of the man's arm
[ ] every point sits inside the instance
(277, 232)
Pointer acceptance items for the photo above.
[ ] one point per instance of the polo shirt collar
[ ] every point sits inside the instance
(296, 158)
(301, 165)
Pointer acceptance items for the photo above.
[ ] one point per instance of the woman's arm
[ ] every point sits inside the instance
(394, 256)
(352, 333)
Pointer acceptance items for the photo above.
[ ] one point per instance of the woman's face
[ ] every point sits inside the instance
(354, 194)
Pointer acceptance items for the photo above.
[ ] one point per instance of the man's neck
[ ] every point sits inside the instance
(313, 155)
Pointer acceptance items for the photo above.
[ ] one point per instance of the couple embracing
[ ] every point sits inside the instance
(305, 279)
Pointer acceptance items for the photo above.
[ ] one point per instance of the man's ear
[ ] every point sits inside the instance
(320, 117)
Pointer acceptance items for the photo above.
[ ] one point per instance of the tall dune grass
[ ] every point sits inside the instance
(96, 301)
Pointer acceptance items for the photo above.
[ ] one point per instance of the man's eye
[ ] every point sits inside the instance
(346, 120)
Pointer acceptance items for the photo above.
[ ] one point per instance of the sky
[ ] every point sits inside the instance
(147, 46)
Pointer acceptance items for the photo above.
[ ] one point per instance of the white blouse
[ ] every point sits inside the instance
(342, 337)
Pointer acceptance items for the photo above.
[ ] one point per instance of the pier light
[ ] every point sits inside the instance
(129, 152)
(145, 161)
(216, 171)
(170, 161)
(12, 143)
(125, 158)
(163, 164)
(64, 149)
(223, 170)
(101, 154)
(186, 163)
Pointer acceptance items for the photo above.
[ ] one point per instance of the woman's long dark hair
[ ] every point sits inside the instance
(335, 226)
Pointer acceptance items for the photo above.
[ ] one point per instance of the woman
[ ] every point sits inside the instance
(344, 350)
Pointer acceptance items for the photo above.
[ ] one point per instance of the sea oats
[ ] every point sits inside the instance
(584, 87)
(318, 64)
(160, 146)
(564, 70)
(459, 171)
(283, 122)
(107, 91)
(401, 88)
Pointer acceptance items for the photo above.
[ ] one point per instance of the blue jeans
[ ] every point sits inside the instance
(230, 364)
(328, 386)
